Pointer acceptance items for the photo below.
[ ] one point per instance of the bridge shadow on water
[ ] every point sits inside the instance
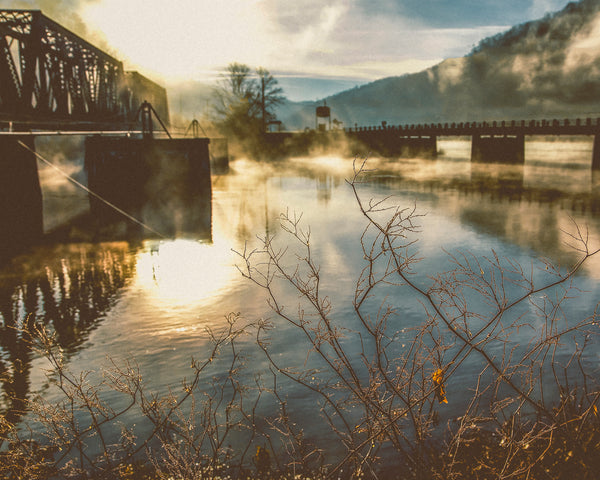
(65, 287)
(138, 189)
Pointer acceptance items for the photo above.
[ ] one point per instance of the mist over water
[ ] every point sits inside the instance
(153, 300)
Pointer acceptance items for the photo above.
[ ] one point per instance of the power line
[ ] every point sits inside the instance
(81, 185)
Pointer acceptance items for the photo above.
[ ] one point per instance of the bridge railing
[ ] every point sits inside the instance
(577, 126)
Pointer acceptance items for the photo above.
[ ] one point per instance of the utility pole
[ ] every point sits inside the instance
(262, 103)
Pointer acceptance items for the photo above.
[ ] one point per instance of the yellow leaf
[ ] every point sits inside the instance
(438, 380)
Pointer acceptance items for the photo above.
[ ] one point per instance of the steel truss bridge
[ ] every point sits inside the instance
(50, 77)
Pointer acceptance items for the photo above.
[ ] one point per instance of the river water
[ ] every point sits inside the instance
(154, 300)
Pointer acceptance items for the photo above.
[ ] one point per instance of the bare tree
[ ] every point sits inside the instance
(270, 96)
(384, 386)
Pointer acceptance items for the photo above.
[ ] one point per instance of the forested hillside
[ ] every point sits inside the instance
(548, 67)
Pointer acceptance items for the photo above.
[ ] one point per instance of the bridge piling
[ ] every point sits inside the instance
(163, 183)
(21, 208)
(498, 149)
(418, 146)
(389, 142)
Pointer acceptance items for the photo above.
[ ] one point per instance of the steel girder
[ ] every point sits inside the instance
(48, 72)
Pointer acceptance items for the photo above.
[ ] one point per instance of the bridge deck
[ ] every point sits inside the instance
(587, 126)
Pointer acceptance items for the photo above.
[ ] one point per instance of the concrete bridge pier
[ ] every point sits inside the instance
(418, 146)
(21, 208)
(498, 149)
(164, 183)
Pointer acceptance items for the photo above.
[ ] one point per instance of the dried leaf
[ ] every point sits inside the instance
(438, 381)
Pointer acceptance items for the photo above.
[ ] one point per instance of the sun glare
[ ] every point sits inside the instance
(183, 273)
(176, 39)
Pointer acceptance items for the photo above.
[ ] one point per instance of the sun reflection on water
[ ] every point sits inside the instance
(183, 273)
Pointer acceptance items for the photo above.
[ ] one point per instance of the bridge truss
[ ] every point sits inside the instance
(48, 73)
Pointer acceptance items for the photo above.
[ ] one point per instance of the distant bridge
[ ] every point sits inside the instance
(50, 77)
(578, 126)
(491, 142)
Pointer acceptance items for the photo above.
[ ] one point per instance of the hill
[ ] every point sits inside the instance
(548, 67)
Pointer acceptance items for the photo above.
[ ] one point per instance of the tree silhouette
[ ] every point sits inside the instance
(270, 95)
(245, 101)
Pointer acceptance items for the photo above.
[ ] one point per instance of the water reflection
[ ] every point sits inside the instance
(534, 206)
(66, 288)
(171, 290)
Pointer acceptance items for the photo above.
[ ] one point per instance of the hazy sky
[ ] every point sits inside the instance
(314, 47)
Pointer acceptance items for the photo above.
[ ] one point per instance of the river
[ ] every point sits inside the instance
(155, 300)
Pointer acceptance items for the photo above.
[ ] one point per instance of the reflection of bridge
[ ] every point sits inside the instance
(50, 76)
(69, 293)
(495, 142)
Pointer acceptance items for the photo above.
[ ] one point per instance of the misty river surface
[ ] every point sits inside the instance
(153, 300)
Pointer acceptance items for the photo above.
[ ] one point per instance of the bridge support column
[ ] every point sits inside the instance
(21, 220)
(498, 149)
(165, 184)
(389, 144)
(596, 153)
(418, 146)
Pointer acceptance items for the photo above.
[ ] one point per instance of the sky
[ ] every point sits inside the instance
(313, 47)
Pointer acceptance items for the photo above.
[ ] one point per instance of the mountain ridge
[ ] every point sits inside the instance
(545, 67)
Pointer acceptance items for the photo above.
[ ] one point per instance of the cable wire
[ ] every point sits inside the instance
(95, 195)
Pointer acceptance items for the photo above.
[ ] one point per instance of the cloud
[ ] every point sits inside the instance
(359, 39)
(463, 13)
(178, 39)
(66, 12)
(366, 45)
(322, 38)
